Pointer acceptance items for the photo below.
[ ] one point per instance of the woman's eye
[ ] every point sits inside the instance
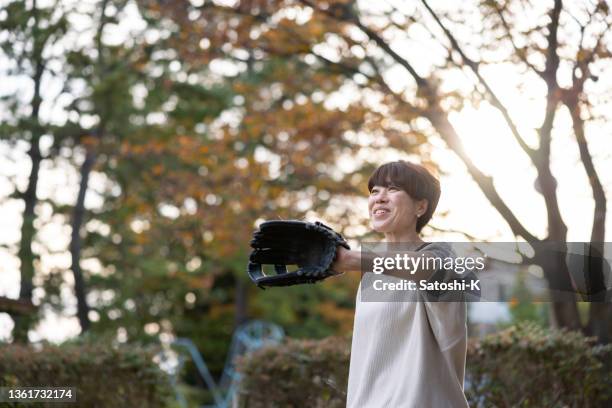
(392, 188)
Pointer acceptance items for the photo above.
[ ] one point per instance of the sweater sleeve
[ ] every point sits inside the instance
(445, 252)
(447, 316)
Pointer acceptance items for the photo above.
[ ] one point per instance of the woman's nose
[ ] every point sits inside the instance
(381, 197)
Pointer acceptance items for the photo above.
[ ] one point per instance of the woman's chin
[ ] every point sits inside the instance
(381, 227)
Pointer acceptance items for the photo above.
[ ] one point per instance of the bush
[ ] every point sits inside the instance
(529, 366)
(297, 373)
(523, 366)
(104, 376)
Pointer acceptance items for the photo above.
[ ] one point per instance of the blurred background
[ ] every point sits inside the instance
(142, 141)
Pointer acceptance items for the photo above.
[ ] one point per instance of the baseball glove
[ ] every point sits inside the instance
(310, 246)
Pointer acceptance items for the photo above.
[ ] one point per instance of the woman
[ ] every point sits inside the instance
(408, 352)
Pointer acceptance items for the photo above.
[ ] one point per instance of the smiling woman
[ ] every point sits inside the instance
(405, 352)
(403, 197)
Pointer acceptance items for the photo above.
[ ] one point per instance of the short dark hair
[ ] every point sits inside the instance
(414, 179)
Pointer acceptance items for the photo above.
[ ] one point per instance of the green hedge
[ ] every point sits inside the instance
(523, 366)
(529, 366)
(104, 376)
(298, 373)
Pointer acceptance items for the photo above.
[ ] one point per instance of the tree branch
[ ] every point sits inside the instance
(439, 119)
(454, 231)
(583, 62)
(350, 18)
(548, 185)
(492, 96)
(519, 52)
(571, 99)
(599, 216)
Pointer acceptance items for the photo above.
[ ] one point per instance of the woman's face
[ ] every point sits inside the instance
(392, 210)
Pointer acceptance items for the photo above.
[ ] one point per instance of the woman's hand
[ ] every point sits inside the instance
(345, 260)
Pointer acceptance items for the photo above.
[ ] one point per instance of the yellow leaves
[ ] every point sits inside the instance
(158, 169)
(184, 141)
(199, 282)
(240, 87)
(125, 148)
(140, 66)
(337, 316)
(89, 141)
(141, 239)
(582, 55)
(151, 146)
(143, 208)
(514, 302)
(288, 37)
(316, 29)
(135, 250)
(156, 146)
(219, 310)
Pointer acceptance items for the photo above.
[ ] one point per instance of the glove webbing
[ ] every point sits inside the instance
(309, 274)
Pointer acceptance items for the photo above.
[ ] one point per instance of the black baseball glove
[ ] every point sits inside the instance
(310, 246)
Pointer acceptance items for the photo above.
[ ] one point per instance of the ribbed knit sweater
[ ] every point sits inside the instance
(408, 353)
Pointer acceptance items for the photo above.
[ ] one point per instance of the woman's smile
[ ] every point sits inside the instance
(393, 211)
(380, 212)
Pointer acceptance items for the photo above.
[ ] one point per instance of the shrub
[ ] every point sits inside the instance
(103, 375)
(529, 366)
(523, 366)
(297, 373)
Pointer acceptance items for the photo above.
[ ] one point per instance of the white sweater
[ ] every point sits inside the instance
(408, 353)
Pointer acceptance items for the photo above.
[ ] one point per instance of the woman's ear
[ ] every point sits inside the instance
(422, 206)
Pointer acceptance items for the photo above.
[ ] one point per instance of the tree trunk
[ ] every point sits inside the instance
(76, 242)
(555, 268)
(551, 256)
(240, 302)
(25, 254)
(600, 310)
(600, 313)
(78, 215)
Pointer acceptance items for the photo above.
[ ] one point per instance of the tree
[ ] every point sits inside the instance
(356, 44)
(107, 98)
(15, 306)
(180, 153)
(30, 37)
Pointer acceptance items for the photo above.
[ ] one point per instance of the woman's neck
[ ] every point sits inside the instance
(403, 236)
